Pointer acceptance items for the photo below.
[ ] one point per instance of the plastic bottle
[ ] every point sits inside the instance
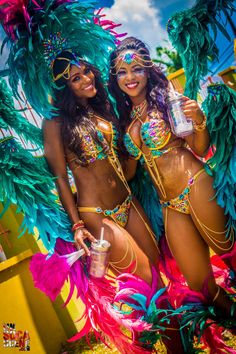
(98, 260)
(180, 125)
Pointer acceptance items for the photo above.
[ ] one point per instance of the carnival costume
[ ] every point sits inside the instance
(193, 34)
(91, 152)
(189, 32)
(219, 108)
(38, 31)
(155, 134)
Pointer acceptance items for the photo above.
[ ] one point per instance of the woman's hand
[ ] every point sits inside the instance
(192, 110)
(80, 235)
(199, 141)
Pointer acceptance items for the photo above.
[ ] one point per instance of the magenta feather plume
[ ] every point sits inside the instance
(77, 274)
(49, 273)
(108, 25)
(131, 283)
(101, 316)
(12, 14)
(98, 296)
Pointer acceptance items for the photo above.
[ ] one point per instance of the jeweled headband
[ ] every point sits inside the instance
(55, 45)
(129, 56)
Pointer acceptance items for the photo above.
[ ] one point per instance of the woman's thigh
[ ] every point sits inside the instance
(140, 230)
(189, 249)
(143, 241)
(208, 216)
(132, 249)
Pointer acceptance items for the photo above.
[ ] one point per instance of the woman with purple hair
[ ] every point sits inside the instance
(193, 220)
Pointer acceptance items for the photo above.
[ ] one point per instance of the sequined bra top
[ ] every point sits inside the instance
(155, 134)
(91, 150)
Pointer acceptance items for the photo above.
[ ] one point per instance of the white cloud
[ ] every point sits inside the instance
(139, 19)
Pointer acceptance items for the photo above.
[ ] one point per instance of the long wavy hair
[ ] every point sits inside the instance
(156, 85)
(74, 116)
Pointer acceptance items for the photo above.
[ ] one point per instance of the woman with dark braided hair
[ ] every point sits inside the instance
(83, 138)
(192, 218)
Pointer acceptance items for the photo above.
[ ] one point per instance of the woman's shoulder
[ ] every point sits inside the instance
(104, 126)
(51, 123)
(52, 129)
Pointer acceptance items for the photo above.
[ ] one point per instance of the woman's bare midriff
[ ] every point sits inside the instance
(175, 169)
(98, 185)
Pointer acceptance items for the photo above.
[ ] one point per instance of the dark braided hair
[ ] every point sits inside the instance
(156, 86)
(74, 116)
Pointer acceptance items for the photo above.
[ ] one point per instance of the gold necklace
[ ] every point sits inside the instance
(90, 111)
(137, 111)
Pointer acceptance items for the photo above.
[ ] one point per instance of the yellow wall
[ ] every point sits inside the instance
(49, 324)
(29, 309)
(229, 77)
(178, 80)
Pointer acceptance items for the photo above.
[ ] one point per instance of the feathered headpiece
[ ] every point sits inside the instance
(39, 30)
(189, 32)
(220, 108)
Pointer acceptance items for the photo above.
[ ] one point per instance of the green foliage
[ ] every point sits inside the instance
(169, 58)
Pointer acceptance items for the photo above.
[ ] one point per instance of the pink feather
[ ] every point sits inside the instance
(107, 25)
(231, 256)
(99, 301)
(98, 295)
(212, 338)
(12, 14)
(49, 273)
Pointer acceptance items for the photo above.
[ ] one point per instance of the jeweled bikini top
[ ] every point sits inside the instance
(155, 134)
(91, 150)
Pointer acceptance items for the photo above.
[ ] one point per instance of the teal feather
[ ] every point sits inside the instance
(220, 108)
(25, 182)
(197, 317)
(141, 299)
(189, 32)
(76, 24)
(11, 117)
(155, 297)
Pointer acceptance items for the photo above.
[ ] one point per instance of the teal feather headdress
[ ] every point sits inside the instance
(25, 179)
(30, 24)
(11, 117)
(26, 182)
(220, 108)
(189, 32)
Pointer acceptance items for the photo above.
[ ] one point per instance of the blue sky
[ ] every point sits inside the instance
(146, 19)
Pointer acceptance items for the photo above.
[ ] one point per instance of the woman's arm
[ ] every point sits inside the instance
(55, 155)
(199, 141)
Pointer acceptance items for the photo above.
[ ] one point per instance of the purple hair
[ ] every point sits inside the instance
(156, 86)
